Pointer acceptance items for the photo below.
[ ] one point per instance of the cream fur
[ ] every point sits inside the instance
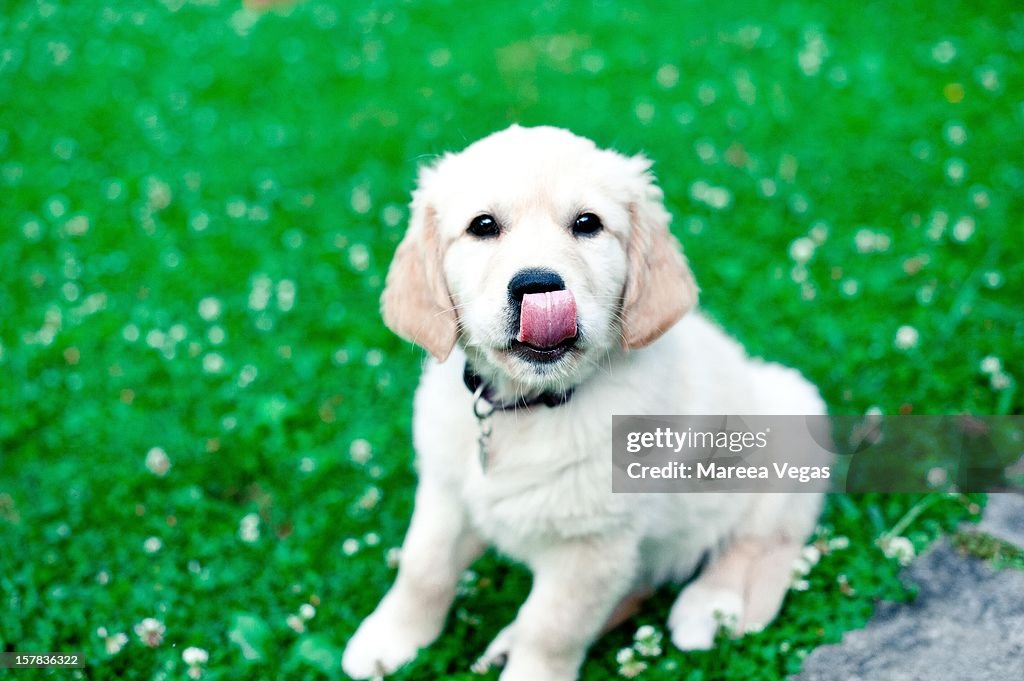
(546, 497)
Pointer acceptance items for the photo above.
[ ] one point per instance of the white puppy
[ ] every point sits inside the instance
(539, 270)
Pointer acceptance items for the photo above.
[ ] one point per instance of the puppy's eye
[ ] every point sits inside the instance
(483, 226)
(587, 224)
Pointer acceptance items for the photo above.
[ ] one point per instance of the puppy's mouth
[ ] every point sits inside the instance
(542, 355)
(547, 326)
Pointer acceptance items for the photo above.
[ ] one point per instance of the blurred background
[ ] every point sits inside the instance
(204, 426)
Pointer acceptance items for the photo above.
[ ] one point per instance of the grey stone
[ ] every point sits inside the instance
(1004, 517)
(966, 623)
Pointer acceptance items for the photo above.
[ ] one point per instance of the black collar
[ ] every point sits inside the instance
(475, 381)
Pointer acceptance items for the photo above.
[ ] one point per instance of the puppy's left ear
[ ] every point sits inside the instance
(659, 287)
(416, 303)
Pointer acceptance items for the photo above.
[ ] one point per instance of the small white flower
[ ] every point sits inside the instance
(800, 567)
(360, 451)
(157, 461)
(907, 337)
(213, 363)
(645, 632)
(649, 649)
(710, 195)
(667, 76)
(1000, 380)
(869, 241)
(350, 546)
(307, 611)
(216, 334)
(993, 279)
(285, 295)
(361, 200)
(801, 585)
(963, 228)
(991, 364)
(295, 623)
(956, 170)
(988, 78)
(114, 642)
(838, 543)
(152, 545)
(392, 215)
(811, 555)
(937, 476)
(247, 375)
(359, 257)
(150, 631)
(158, 193)
(802, 249)
(899, 548)
(864, 240)
(393, 557)
(647, 641)
(156, 339)
(629, 666)
(209, 308)
(370, 498)
(956, 133)
(194, 656)
(249, 528)
(944, 52)
(259, 294)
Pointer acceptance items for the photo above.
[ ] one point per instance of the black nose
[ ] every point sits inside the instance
(534, 280)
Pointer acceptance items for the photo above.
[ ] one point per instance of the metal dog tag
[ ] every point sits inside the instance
(482, 410)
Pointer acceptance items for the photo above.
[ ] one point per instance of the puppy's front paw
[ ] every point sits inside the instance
(699, 611)
(379, 647)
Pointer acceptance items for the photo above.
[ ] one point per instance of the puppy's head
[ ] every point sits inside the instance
(540, 254)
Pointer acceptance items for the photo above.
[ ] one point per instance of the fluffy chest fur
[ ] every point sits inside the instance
(548, 474)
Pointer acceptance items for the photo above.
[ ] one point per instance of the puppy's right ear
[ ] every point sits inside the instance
(416, 303)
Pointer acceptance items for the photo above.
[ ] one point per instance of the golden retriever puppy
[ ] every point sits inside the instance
(540, 274)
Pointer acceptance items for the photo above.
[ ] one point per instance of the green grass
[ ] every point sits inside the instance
(152, 156)
(998, 552)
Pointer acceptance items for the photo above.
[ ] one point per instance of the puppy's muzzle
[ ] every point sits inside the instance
(543, 318)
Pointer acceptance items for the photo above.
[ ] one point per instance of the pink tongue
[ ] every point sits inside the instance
(547, 319)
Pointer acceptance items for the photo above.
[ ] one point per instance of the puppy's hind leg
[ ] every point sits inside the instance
(768, 580)
(714, 598)
(742, 589)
